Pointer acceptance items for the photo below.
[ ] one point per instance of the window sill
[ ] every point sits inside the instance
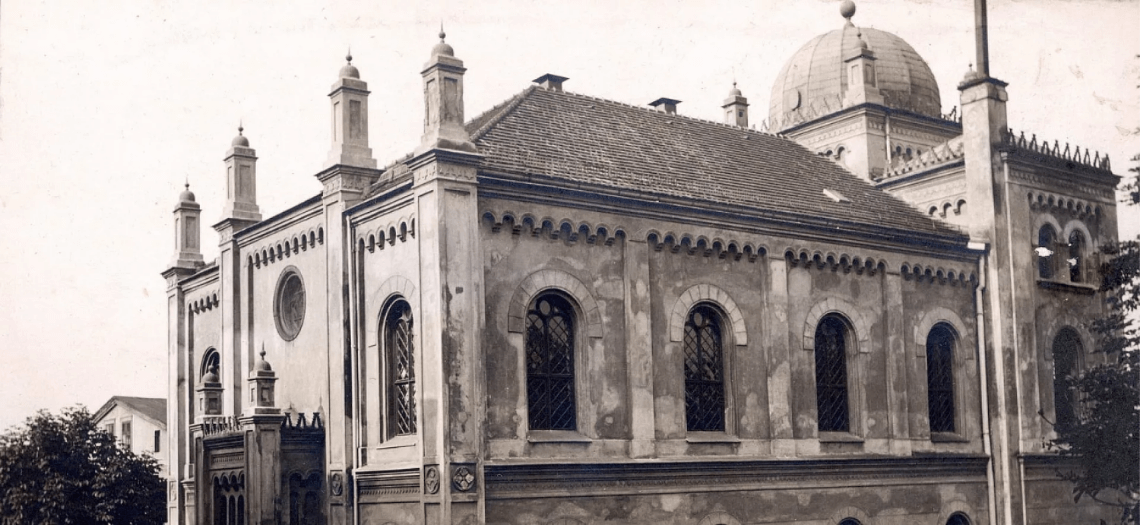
(556, 436)
(947, 437)
(839, 437)
(399, 442)
(1061, 286)
(711, 437)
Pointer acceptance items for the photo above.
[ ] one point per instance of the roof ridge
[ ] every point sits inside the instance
(687, 117)
(507, 106)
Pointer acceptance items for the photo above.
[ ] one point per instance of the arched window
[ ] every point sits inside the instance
(550, 364)
(831, 375)
(1076, 253)
(958, 519)
(850, 521)
(704, 370)
(1067, 350)
(400, 364)
(1046, 243)
(940, 378)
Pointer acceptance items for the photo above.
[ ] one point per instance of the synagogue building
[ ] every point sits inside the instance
(573, 311)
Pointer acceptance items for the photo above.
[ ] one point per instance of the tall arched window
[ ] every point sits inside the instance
(940, 378)
(1067, 350)
(1076, 255)
(1046, 245)
(550, 364)
(850, 521)
(704, 370)
(831, 375)
(400, 364)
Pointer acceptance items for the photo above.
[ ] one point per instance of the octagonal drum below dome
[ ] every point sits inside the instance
(816, 76)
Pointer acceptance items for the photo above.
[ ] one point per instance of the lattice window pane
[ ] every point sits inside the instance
(831, 375)
(940, 379)
(704, 371)
(401, 371)
(550, 365)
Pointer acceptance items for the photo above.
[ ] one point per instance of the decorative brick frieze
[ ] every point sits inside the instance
(565, 229)
(700, 244)
(206, 301)
(835, 262)
(938, 275)
(401, 230)
(287, 247)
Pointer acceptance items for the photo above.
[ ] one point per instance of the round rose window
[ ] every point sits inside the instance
(289, 304)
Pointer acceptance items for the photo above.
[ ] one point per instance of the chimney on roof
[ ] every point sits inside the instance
(550, 82)
(666, 105)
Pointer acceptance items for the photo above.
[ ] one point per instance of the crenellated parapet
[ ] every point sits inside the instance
(1068, 155)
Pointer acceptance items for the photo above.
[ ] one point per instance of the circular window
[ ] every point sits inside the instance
(289, 304)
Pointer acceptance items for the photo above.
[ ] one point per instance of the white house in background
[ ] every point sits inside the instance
(138, 422)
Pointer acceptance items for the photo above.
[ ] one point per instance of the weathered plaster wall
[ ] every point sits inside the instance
(300, 364)
(388, 267)
(878, 503)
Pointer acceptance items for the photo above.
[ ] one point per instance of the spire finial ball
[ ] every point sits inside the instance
(442, 48)
(349, 70)
(847, 9)
(240, 139)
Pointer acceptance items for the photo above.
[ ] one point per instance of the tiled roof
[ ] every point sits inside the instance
(586, 141)
(151, 407)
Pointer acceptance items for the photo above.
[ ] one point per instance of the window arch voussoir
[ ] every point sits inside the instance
(712, 294)
(542, 280)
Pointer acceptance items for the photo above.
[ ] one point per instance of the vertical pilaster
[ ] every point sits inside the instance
(452, 288)
(177, 391)
(639, 346)
(899, 405)
(776, 339)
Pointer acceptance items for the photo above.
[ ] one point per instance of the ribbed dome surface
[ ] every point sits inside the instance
(816, 75)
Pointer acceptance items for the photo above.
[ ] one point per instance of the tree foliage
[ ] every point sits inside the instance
(1105, 440)
(62, 469)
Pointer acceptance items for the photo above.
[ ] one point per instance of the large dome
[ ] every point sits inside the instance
(815, 77)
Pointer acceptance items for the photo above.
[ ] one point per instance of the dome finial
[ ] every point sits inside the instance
(442, 48)
(847, 9)
(240, 139)
(348, 56)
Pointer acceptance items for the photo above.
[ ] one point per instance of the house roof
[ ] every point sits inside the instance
(586, 142)
(151, 407)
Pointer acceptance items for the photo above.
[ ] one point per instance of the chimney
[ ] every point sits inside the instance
(550, 82)
(666, 105)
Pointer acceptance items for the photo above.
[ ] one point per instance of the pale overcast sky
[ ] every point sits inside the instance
(107, 107)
